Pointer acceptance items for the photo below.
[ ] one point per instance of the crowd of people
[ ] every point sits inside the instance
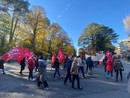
(74, 65)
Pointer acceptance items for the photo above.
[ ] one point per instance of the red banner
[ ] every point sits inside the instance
(61, 56)
(16, 53)
(53, 59)
(28, 54)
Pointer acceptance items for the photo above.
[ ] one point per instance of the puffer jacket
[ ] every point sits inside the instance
(109, 65)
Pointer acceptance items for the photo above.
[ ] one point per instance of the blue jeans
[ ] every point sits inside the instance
(30, 76)
(76, 77)
(82, 70)
(110, 72)
(56, 71)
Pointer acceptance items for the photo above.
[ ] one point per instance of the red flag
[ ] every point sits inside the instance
(61, 56)
(28, 54)
(53, 59)
(16, 53)
(70, 55)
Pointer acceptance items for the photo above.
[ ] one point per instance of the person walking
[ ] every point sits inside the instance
(104, 63)
(81, 64)
(68, 65)
(22, 64)
(90, 65)
(2, 65)
(128, 85)
(31, 66)
(118, 67)
(95, 60)
(36, 64)
(42, 79)
(75, 73)
(109, 67)
(56, 64)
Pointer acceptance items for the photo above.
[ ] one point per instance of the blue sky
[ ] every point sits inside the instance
(75, 15)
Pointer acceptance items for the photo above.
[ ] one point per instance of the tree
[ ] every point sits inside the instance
(98, 37)
(57, 38)
(37, 23)
(126, 22)
(51, 37)
(4, 30)
(16, 9)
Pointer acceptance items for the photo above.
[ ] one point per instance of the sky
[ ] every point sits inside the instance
(74, 15)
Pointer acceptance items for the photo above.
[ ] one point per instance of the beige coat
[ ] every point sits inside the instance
(42, 70)
(74, 68)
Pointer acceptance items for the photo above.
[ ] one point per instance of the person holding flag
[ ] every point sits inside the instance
(53, 60)
(56, 64)
(22, 63)
(2, 65)
(31, 66)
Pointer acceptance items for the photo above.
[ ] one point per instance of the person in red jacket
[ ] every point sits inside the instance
(31, 66)
(109, 67)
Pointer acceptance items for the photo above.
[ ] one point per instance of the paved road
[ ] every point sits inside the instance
(12, 85)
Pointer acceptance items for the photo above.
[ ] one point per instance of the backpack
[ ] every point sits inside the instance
(118, 65)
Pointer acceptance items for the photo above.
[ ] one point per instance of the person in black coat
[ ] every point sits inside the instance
(56, 64)
(118, 68)
(36, 64)
(2, 65)
(104, 63)
(22, 63)
(68, 75)
(90, 65)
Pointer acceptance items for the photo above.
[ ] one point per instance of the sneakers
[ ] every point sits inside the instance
(32, 80)
(46, 88)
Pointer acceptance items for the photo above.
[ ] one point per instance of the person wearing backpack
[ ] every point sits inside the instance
(118, 67)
